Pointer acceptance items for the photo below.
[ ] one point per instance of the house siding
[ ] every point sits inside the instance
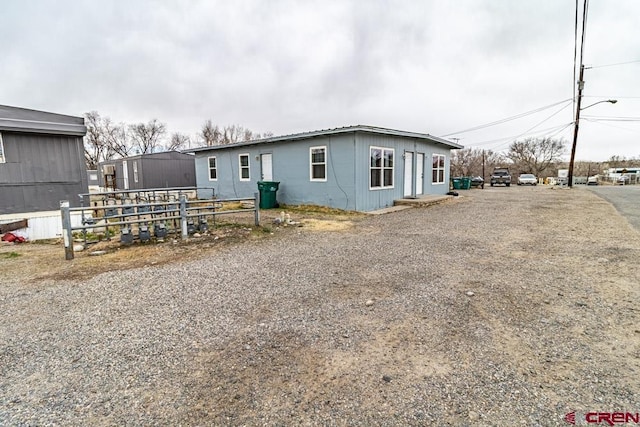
(291, 167)
(348, 161)
(41, 170)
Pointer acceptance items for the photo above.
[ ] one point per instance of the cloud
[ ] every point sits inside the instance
(287, 66)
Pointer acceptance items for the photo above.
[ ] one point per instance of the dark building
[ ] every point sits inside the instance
(41, 160)
(169, 169)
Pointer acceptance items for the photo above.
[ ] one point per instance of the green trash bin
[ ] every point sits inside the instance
(457, 184)
(465, 183)
(268, 190)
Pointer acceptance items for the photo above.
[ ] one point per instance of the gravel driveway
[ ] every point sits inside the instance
(509, 306)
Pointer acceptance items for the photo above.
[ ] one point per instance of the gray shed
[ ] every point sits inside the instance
(168, 169)
(41, 160)
(360, 168)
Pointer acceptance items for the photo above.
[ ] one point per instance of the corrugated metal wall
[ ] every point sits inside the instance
(41, 170)
(165, 170)
(157, 170)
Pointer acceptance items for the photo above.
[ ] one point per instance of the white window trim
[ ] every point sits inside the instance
(393, 168)
(443, 169)
(3, 158)
(135, 171)
(240, 167)
(209, 168)
(311, 164)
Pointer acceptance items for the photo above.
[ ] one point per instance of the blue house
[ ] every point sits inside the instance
(361, 168)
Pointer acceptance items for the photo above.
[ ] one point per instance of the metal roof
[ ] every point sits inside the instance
(328, 132)
(18, 119)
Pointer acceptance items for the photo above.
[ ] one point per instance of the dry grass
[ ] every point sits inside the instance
(33, 262)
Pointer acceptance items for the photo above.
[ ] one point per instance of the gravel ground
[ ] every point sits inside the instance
(509, 306)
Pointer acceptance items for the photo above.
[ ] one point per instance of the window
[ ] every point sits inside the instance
(213, 169)
(437, 176)
(318, 162)
(244, 167)
(381, 168)
(135, 171)
(1, 150)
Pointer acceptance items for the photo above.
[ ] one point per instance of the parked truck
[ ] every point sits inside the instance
(501, 176)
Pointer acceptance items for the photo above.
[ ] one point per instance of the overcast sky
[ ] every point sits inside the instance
(429, 66)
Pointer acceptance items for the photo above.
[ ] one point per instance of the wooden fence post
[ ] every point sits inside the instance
(256, 200)
(67, 234)
(183, 216)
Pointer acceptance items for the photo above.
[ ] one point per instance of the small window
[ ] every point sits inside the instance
(318, 162)
(437, 175)
(381, 168)
(213, 169)
(1, 150)
(244, 167)
(135, 171)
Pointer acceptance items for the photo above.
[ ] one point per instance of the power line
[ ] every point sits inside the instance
(558, 128)
(535, 126)
(612, 65)
(613, 126)
(613, 119)
(609, 97)
(517, 116)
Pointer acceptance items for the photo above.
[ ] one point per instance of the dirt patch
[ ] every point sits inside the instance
(327, 224)
(32, 262)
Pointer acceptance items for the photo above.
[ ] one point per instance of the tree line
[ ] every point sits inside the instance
(106, 140)
(539, 156)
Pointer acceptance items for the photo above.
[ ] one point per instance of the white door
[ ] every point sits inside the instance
(266, 166)
(125, 175)
(408, 172)
(419, 173)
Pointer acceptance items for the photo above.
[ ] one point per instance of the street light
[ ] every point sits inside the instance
(575, 129)
(611, 101)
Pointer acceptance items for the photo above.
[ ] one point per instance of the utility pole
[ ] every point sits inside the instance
(575, 128)
(483, 174)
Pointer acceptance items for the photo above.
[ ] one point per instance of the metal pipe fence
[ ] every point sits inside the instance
(101, 211)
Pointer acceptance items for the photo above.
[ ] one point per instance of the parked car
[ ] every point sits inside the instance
(624, 179)
(527, 179)
(477, 181)
(592, 180)
(500, 176)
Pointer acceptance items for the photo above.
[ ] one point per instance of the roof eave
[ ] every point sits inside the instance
(328, 132)
(16, 125)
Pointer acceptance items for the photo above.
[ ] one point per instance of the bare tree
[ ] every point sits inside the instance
(117, 138)
(232, 134)
(210, 134)
(147, 137)
(95, 147)
(535, 155)
(104, 140)
(215, 135)
(178, 141)
(468, 162)
(264, 135)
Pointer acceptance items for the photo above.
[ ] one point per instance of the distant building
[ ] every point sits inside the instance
(359, 168)
(168, 169)
(93, 181)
